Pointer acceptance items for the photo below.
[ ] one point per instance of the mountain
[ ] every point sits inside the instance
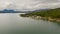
(13, 11)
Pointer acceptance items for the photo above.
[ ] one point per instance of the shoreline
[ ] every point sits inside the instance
(41, 18)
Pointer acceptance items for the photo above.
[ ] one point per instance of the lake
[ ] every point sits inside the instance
(13, 23)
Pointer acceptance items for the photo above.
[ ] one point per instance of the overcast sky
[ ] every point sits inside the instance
(29, 4)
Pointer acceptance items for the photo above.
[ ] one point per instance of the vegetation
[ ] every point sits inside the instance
(51, 14)
(54, 13)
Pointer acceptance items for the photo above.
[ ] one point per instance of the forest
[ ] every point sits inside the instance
(54, 13)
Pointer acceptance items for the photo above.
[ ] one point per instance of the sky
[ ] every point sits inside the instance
(29, 4)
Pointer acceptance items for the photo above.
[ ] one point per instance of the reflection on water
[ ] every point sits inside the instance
(12, 23)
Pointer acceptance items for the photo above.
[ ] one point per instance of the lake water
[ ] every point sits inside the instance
(12, 23)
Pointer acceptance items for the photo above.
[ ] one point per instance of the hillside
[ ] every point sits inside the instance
(50, 15)
(54, 13)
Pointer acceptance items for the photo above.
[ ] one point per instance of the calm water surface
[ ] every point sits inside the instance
(12, 23)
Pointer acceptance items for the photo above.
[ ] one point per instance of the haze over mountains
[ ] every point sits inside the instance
(29, 5)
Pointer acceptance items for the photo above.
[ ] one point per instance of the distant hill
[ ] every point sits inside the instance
(13, 11)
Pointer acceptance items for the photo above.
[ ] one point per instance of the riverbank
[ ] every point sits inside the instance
(50, 15)
(41, 18)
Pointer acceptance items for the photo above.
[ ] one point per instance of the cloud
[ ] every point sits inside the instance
(29, 4)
